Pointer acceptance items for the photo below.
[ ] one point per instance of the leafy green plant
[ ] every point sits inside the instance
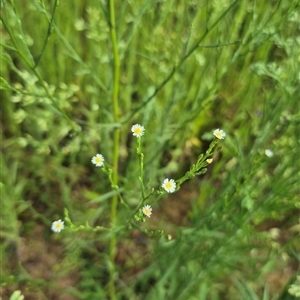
(73, 86)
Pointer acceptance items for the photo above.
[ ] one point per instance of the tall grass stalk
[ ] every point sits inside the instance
(115, 96)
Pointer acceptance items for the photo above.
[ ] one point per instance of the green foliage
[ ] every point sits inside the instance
(186, 68)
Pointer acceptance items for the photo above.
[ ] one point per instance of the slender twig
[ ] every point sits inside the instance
(50, 29)
(220, 45)
(141, 163)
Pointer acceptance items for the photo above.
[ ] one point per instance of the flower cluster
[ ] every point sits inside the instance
(169, 185)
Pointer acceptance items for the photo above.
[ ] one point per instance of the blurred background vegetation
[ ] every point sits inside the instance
(187, 67)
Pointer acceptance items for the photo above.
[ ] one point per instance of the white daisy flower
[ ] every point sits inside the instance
(269, 153)
(169, 185)
(138, 130)
(147, 210)
(98, 160)
(58, 226)
(219, 133)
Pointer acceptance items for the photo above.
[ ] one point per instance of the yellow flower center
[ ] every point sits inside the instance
(219, 134)
(98, 159)
(168, 185)
(138, 130)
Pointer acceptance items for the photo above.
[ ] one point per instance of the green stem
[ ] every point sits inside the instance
(50, 28)
(115, 96)
(141, 163)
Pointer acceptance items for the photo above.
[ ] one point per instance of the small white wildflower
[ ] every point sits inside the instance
(147, 210)
(169, 185)
(98, 160)
(58, 226)
(269, 153)
(138, 130)
(209, 160)
(219, 133)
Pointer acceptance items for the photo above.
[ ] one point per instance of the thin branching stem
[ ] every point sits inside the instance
(50, 29)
